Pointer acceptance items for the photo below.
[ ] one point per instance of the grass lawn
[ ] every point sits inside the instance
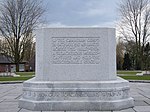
(136, 77)
(131, 75)
(128, 72)
(25, 73)
(15, 78)
(128, 75)
(23, 76)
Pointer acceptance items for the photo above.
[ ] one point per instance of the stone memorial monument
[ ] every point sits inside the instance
(75, 71)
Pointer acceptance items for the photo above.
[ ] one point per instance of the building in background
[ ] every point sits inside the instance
(7, 66)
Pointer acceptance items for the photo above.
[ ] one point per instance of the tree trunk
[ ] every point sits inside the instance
(137, 57)
(17, 67)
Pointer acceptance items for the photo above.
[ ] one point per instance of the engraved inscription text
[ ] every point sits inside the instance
(75, 50)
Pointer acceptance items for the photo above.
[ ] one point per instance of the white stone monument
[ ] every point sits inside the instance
(76, 71)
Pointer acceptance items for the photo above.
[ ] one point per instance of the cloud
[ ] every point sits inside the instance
(80, 12)
(54, 24)
(95, 12)
(101, 24)
(92, 12)
(105, 24)
(57, 24)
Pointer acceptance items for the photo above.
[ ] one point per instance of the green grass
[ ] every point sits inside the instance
(136, 77)
(128, 72)
(129, 75)
(25, 73)
(23, 76)
(15, 78)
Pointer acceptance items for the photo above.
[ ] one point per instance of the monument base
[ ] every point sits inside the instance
(76, 95)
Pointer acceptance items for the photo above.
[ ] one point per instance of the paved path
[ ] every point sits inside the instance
(10, 93)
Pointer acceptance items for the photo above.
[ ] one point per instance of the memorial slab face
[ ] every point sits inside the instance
(76, 54)
(76, 71)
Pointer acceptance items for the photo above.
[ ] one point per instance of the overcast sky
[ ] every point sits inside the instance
(81, 12)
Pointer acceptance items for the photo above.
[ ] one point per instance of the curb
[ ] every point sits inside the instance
(11, 82)
(139, 81)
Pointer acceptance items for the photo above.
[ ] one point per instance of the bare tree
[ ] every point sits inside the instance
(5, 49)
(135, 25)
(30, 51)
(18, 18)
(120, 54)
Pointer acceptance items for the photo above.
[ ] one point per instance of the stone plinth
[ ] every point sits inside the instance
(75, 70)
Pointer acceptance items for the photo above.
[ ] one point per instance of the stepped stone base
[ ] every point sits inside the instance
(76, 95)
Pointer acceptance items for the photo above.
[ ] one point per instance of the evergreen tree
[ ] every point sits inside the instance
(146, 56)
(127, 62)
